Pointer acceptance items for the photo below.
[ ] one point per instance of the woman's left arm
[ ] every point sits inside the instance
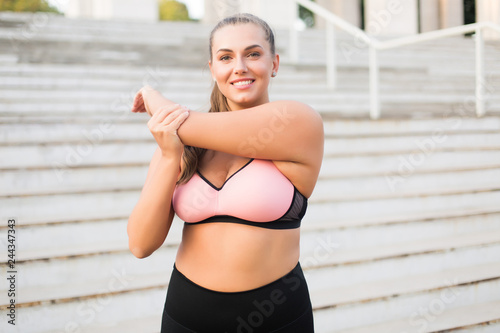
(281, 131)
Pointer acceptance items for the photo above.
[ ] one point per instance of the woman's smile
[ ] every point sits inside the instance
(242, 84)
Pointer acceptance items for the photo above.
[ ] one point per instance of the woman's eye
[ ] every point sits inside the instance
(254, 54)
(224, 58)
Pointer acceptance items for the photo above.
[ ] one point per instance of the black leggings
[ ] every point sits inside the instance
(282, 306)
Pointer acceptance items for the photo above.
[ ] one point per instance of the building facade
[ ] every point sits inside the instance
(135, 10)
(376, 17)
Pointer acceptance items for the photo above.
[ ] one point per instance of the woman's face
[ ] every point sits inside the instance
(242, 64)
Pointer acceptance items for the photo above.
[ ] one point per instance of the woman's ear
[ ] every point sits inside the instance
(211, 70)
(276, 63)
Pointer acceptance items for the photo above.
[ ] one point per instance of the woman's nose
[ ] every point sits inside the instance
(240, 66)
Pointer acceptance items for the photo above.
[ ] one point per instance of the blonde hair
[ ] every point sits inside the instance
(218, 102)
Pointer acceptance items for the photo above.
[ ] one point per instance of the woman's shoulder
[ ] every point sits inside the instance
(297, 112)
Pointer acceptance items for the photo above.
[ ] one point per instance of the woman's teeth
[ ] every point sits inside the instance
(242, 83)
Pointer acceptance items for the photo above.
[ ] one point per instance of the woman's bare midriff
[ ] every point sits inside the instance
(232, 257)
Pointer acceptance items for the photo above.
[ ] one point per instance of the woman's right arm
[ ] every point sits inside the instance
(151, 218)
(150, 221)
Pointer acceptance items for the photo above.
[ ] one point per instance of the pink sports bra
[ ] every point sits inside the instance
(258, 194)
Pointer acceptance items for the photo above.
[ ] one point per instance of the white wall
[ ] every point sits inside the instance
(391, 17)
(488, 10)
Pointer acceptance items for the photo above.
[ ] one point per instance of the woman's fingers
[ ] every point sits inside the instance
(138, 104)
(170, 117)
(159, 116)
(173, 120)
(165, 112)
(179, 119)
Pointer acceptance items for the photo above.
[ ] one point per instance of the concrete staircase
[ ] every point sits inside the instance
(402, 233)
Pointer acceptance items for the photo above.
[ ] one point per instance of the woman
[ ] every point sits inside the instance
(242, 192)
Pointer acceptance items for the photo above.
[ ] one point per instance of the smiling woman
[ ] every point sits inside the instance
(239, 176)
(242, 71)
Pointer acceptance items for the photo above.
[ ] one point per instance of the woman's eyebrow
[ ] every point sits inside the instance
(246, 49)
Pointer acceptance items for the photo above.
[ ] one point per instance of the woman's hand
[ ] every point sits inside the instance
(139, 104)
(149, 100)
(164, 124)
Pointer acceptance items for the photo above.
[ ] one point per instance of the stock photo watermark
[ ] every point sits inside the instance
(28, 31)
(324, 250)
(426, 147)
(262, 309)
(12, 273)
(290, 284)
(421, 318)
(224, 8)
(120, 108)
(408, 164)
(88, 309)
(266, 135)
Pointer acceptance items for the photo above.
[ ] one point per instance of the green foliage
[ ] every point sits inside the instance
(171, 10)
(27, 6)
(307, 16)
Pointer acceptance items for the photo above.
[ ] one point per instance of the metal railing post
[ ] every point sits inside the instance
(374, 84)
(294, 35)
(331, 61)
(480, 98)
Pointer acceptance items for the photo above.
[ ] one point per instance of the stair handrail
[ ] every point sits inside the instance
(376, 45)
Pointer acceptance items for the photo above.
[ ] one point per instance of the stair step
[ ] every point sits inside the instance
(102, 130)
(149, 324)
(321, 277)
(392, 165)
(92, 287)
(321, 214)
(413, 247)
(409, 284)
(83, 315)
(332, 242)
(441, 320)
(406, 298)
(422, 144)
(392, 127)
(62, 157)
(91, 238)
(424, 184)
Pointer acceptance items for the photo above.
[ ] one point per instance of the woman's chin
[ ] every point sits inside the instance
(244, 103)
